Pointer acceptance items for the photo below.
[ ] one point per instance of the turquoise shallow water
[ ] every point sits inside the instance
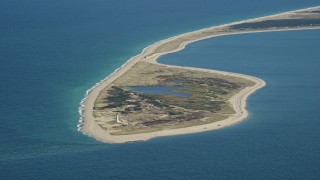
(51, 52)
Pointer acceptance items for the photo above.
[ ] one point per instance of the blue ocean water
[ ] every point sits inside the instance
(51, 52)
(280, 139)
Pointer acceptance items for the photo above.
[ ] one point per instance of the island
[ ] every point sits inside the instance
(145, 99)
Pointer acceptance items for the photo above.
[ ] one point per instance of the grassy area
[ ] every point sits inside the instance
(124, 130)
(137, 112)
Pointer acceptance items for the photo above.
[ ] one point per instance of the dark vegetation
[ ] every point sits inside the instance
(196, 115)
(118, 97)
(282, 23)
(154, 100)
(207, 96)
(157, 122)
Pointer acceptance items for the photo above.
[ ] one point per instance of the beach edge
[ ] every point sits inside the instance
(238, 101)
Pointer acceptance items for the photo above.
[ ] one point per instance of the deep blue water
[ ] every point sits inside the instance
(52, 51)
(171, 90)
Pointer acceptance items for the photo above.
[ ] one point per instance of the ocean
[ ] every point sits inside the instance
(51, 52)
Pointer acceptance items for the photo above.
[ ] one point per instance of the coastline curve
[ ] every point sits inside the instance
(238, 101)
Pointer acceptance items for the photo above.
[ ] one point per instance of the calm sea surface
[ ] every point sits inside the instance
(52, 51)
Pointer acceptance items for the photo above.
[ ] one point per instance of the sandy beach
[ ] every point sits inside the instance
(150, 54)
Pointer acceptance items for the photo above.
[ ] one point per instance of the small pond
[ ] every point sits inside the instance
(172, 90)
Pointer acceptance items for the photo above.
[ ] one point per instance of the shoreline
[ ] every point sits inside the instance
(86, 122)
